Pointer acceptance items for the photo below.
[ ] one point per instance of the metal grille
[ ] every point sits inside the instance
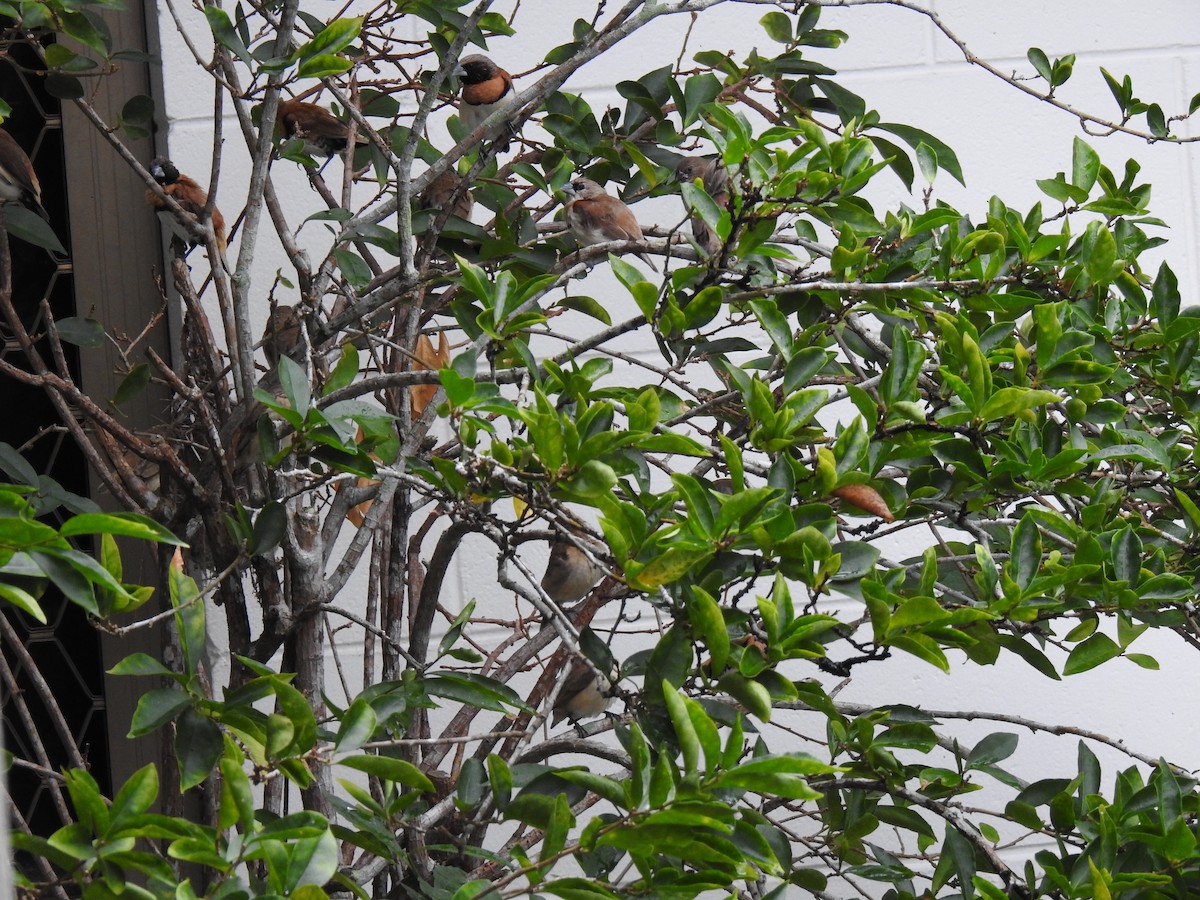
(52, 681)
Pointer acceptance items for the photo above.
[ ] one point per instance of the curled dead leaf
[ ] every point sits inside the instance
(427, 360)
(357, 514)
(865, 498)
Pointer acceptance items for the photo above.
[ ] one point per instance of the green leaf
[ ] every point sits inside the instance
(270, 526)
(575, 889)
(709, 624)
(139, 664)
(589, 306)
(390, 769)
(1157, 120)
(89, 804)
(335, 36)
(477, 690)
(31, 228)
(992, 749)
(500, 780)
(226, 35)
(198, 746)
(685, 734)
(137, 116)
(946, 158)
(80, 331)
(775, 324)
(1040, 62)
(1096, 650)
(594, 479)
(23, 601)
(294, 381)
(324, 66)
(555, 836)
(1026, 551)
(1010, 400)
(344, 371)
(777, 26)
(155, 708)
(131, 525)
(764, 776)
(132, 384)
(927, 161)
(1085, 165)
(135, 796)
(698, 91)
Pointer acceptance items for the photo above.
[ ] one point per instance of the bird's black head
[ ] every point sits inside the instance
(163, 171)
(476, 69)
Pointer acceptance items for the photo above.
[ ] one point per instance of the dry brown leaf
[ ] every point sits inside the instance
(357, 514)
(865, 498)
(427, 360)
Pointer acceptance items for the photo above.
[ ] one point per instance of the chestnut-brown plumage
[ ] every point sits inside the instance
(485, 88)
(322, 132)
(18, 182)
(570, 575)
(596, 217)
(189, 195)
(714, 178)
(448, 192)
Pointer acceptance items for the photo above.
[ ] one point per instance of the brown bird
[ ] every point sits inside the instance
(18, 182)
(189, 195)
(714, 178)
(283, 334)
(322, 132)
(596, 217)
(585, 694)
(448, 191)
(570, 575)
(485, 88)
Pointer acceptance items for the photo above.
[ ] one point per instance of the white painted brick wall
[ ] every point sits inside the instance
(1005, 140)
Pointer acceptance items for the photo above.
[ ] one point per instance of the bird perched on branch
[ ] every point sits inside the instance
(714, 178)
(595, 216)
(189, 195)
(322, 132)
(18, 182)
(283, 334)
(448, 192)
(585, 694)
(485, 88)
(570, 575)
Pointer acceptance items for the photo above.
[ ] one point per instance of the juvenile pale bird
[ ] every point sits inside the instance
(322, 132)
(189, 195)
(447, 191)
(595, 216)
(485, 88)
(714, 177)
(283, 333)
(584, 695)
(570, 575)
(18, 182)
